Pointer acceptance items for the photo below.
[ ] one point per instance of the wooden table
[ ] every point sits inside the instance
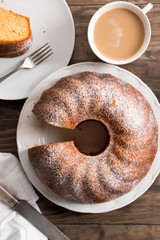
(141, 219)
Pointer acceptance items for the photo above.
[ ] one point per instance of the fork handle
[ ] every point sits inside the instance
(9, 74)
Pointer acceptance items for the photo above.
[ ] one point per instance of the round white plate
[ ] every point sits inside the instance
(52, 22)
(30, 132)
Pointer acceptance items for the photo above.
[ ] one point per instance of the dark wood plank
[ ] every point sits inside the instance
(9, 115)
(102, 2)
(108, 232)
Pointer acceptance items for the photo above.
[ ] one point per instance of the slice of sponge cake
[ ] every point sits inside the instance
(15, 34)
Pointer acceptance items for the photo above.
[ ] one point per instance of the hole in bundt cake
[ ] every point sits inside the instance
(91, 137)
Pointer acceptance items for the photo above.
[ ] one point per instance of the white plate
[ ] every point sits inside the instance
(30, 132)
(52, 22)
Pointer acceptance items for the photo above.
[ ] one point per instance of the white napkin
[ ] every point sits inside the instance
(12, 225)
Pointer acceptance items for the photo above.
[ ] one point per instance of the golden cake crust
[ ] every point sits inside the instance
(131, 125)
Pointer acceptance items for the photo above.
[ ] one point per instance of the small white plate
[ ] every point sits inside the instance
(52, 22)
(31, 132)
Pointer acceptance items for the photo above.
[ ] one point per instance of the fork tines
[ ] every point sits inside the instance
(41, 54)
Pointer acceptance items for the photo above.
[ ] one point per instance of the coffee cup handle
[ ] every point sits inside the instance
(147, 8)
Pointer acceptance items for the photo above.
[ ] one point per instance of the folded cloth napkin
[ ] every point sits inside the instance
(12, 225)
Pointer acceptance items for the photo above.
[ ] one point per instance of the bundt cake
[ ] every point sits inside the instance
(15, 34)
(133, 137)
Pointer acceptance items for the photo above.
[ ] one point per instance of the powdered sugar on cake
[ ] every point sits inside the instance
(133, 137)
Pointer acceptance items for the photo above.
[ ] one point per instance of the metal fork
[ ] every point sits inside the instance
(32, 60)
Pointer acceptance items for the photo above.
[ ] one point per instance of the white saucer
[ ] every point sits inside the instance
(30, 132)
(52, 22)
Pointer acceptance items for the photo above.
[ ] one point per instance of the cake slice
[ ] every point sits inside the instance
(15, 34)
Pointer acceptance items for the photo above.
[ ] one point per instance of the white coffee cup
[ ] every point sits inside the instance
(141, 13)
